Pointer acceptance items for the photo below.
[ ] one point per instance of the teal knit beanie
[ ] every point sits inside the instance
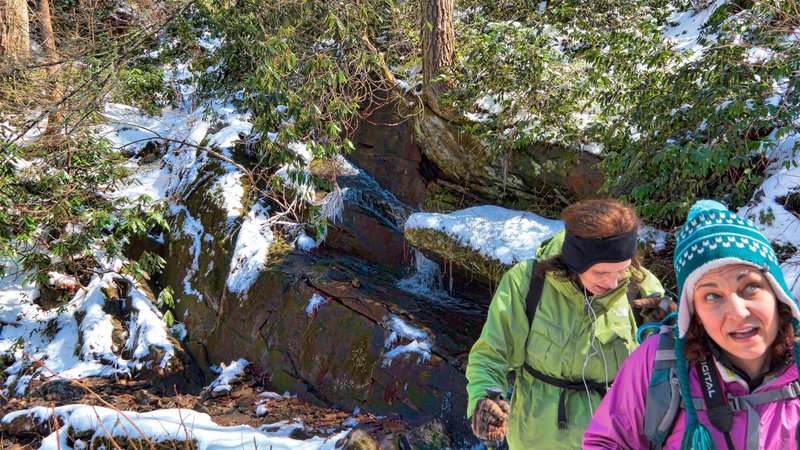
(711, 238)
(714, 237)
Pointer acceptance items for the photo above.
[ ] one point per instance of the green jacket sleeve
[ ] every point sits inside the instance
(650, 285)
(501, 345)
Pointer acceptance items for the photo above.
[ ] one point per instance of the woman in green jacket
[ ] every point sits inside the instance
(582, 330)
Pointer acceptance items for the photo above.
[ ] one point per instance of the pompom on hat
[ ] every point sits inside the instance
(713, 237)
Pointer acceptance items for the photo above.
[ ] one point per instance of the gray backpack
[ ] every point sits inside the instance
(664, 398)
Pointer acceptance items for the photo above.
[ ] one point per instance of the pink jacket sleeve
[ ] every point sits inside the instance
(619, 420)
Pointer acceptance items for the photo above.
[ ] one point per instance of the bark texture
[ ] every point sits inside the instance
(438, 50)
(46, 28)
(51, 55)
(14, 29)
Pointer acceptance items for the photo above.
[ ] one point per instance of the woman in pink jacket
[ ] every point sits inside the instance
(734, 351)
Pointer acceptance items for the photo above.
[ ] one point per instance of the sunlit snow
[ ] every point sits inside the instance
(175, 425)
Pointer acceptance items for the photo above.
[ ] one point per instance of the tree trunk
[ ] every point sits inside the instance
(51, 57)
(438, 51)
(14, 29)
(46, 27)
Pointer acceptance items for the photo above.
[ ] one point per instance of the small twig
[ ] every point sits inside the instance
(130, 439)
(166, 432)
(100, 422)
(180, 416)
(55, 421)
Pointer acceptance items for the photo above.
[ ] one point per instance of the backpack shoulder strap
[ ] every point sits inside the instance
(663, 393)
(534, 295)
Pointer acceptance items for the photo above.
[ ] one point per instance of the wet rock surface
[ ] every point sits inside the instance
(344, 351)
(329, 325)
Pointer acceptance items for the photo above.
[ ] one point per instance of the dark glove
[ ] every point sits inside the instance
(655, 308)
(489, 419)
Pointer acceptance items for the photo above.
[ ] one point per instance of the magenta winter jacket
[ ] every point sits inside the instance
(619, 420)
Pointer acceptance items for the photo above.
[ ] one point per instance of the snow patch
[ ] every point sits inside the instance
(230, 190)
(314, 303)
(250, 253)
(52, 336)
(194, 229)
(228, 375)
(169, 424)
(420, 343)
(502, 234)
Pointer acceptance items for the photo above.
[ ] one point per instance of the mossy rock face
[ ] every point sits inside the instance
(390, 154)
(438, 245)
(429, 436)
(371, 220)
(364, 236)
(333, 355)
(525, 176)
(338, 352)
(199, 251)
(357, 439)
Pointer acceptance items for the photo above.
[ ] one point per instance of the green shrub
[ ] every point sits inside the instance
(56, 214)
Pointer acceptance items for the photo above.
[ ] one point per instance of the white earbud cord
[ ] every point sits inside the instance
(592, 350)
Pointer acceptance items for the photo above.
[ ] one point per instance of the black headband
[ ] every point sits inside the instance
(580, 253)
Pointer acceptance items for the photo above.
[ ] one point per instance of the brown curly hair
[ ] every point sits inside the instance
(696, 347)
(595, 219)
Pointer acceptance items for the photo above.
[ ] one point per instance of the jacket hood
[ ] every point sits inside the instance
(551, 246)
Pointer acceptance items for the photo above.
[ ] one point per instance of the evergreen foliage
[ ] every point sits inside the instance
(556, 73)
(671, 126)
(56, 216)
(674, 126)
(301, 69)
(706, 129)
(56, 213)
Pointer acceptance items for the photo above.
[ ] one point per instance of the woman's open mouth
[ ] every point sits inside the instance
(744, 333)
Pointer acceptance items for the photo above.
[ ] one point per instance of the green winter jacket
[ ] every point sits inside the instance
(559, 341)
